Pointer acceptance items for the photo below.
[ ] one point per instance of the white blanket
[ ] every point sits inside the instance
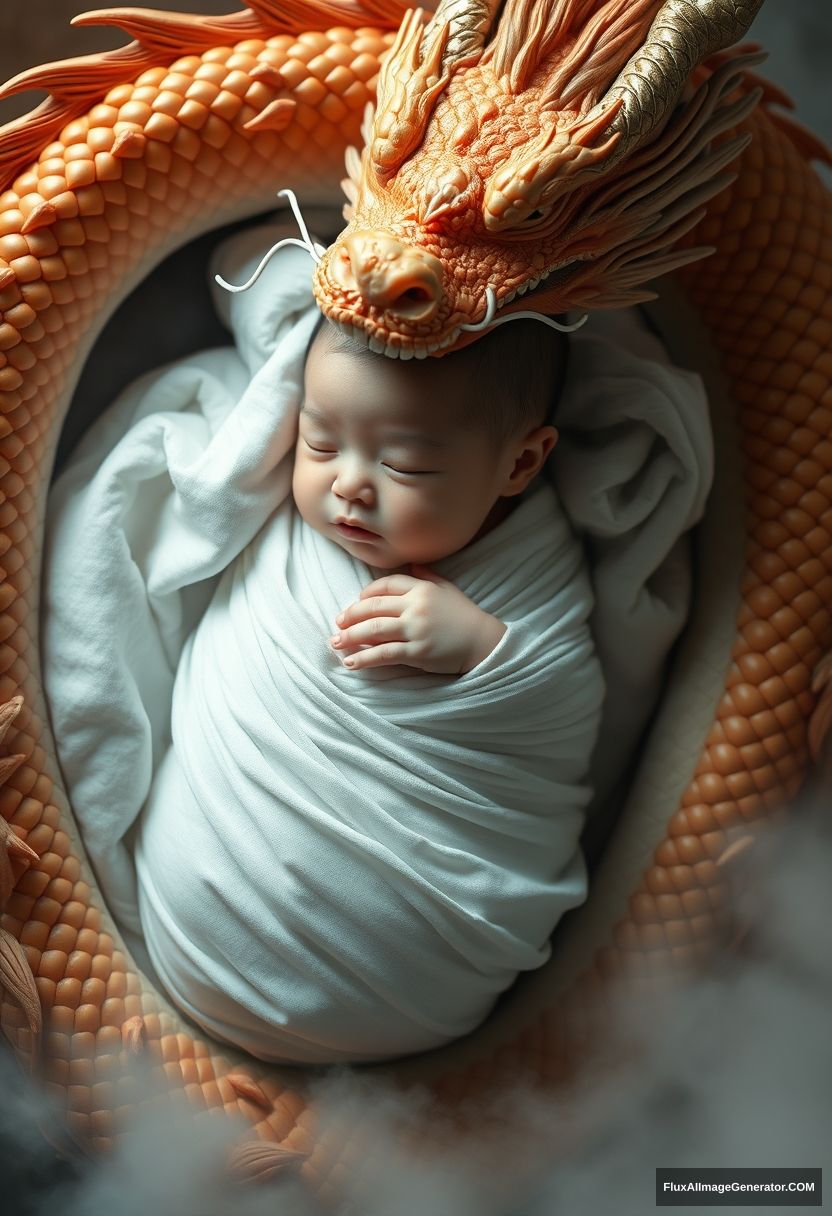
(169, 488)
(340, 865)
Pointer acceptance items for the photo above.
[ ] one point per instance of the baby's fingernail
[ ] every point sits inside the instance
(339, 618)
(335, 640)
(349, 662)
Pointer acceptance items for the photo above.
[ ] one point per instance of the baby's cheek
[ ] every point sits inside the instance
(303, 489)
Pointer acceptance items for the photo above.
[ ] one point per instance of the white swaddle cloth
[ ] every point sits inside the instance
(169, 487)
(340, 865)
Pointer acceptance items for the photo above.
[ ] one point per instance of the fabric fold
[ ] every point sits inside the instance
(397, 831)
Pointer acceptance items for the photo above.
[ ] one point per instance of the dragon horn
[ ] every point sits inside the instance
(683, 33)
(470, 22)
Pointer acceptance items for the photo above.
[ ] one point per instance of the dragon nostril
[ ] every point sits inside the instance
(418, 302)
(414, 295)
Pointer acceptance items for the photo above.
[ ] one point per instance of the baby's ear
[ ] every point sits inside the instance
(529, 458)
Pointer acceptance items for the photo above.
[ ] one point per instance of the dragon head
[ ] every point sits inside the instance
(560, 150)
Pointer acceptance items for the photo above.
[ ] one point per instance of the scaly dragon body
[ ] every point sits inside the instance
(536, 175)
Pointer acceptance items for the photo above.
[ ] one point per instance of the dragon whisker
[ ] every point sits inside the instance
(314, 250)
(488, 321)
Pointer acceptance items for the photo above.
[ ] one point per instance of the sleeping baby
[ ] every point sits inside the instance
(367, 821)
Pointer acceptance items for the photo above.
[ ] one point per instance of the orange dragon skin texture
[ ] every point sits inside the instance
(543, 154)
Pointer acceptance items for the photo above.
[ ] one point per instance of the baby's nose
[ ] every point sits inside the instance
(353, 486)
(401, 279)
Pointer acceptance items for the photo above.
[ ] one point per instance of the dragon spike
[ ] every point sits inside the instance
(546, 168)
(469, 24)
(407, 91)
(583, 132)
(8, 713)
(166, 31)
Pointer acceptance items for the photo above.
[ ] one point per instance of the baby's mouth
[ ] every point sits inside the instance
(355, 531)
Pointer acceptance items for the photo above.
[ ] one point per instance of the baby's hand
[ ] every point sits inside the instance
(422, 621)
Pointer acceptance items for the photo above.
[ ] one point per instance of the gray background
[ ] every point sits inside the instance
(798, 34)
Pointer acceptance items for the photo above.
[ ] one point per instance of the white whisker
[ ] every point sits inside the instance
(491, 308)
(550, 321)
(293, 203)
(288, 240)
(314, 250)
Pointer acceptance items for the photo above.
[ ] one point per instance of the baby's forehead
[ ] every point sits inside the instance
(429, 393)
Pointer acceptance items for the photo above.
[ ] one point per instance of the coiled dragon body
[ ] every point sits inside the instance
(558, 156)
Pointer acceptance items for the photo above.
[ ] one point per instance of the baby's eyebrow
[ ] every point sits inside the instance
(314, 415)
(419, 437)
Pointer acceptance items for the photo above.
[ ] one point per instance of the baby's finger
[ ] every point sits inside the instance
(370, 632)
(388, 654)
(388, 584)
(376, 605)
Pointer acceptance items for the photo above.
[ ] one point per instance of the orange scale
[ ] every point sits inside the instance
(46, 910)
(776, 746)
(806, 603)
(794, 551)
(781, 657)
(738, 785)
(87, 1018)
(80, 1103)
(52, 964)
(815, 504)
(786, 621)
(82, 1073)
(681, 878)
(112, 1012)
(692, 849)
(132, 1004)
(108, 1040)
(695, 902)
(668, 907)
(764, 601)
(755, 668)
(74, 913)
(34, 934)
(211, 1094)
(68, 993)
(804, 643)
(33, 882)
(789, 764)
(62, 937)
(765, 779)
(100, 967)
(797, 678)
(78, 965)
(700, 816)
(45, 990)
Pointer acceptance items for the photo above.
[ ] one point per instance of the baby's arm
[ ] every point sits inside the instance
(421, 621)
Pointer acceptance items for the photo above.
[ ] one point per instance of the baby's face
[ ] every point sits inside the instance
(384, 465)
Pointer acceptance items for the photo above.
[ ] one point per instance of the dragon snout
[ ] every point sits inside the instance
(400, 279)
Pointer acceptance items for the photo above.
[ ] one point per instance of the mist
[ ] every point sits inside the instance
(733, 1069)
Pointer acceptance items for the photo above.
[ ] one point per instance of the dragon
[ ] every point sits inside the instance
(553, 154)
